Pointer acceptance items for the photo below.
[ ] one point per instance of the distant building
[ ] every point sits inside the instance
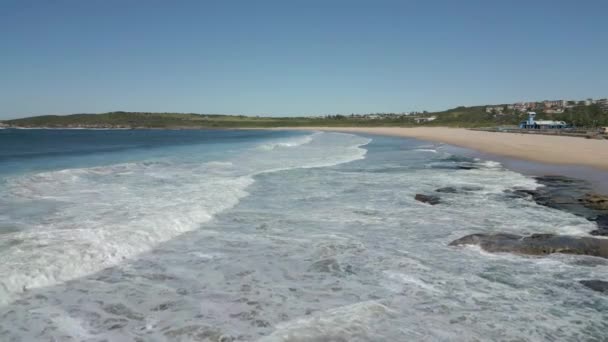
(495, 109)
(548, 124)
(526, 106)
(532, 123)
(554, 104)
(589, 102)
(423, 120)
(603, 104)
(520, 107)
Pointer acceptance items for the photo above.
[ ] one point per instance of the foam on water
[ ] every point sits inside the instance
(102, 215)
(349, 323)
(340, 253)
(290, 142)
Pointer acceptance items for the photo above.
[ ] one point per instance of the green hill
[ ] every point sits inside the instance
(476, 116)
(178, 120)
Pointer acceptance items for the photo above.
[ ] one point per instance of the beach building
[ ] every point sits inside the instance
(532, 123)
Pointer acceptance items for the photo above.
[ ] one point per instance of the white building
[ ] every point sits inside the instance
(495, 109)
(423, 120)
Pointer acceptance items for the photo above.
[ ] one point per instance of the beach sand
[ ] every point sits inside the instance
(540, 148)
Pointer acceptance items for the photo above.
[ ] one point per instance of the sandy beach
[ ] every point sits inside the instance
(539, 148)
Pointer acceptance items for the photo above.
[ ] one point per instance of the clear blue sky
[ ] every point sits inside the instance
(296, 57)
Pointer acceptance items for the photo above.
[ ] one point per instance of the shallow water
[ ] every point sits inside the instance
(281, 237)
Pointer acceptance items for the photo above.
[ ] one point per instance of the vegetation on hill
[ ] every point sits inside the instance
(581, 116)
(177, 120)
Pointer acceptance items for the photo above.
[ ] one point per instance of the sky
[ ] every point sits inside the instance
(307, 57)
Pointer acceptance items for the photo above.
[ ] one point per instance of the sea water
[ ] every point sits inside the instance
(274, 236)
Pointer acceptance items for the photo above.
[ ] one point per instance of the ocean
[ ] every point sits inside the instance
(247, 235)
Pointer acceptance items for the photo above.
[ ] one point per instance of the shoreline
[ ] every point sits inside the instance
(565, 156)
(557, 150)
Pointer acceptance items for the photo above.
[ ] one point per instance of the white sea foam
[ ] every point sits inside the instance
(349, 323)
(104, 215)
(426, 150)
(287, 142)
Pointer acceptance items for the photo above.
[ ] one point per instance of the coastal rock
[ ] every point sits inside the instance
(602, 226)
(556, 180)
(596, 285)
(595, 201)
(537, 244)
(430, 199)
(462, 189)
(572, 195)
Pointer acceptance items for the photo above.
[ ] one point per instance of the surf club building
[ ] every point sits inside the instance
(532, 123)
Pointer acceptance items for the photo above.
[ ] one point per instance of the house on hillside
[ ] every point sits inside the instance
(603, 103)
(423, 120)
(495, 109)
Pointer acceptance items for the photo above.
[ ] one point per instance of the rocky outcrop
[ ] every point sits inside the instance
(602, 225)
(572, 195)
(594, 201)
(430, 199)
(596, 285)
(537, 244)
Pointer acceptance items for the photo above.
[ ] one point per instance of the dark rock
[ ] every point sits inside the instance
(596, 285)
(602, 221)
(537, 244)
(602, 226)
(556, 180)
(572, 195)
(462, 189)
(430, 199)
(524, 193)
(594, 201)
(471, 188)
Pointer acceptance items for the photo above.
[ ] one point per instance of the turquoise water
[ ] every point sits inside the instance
(273, 236)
